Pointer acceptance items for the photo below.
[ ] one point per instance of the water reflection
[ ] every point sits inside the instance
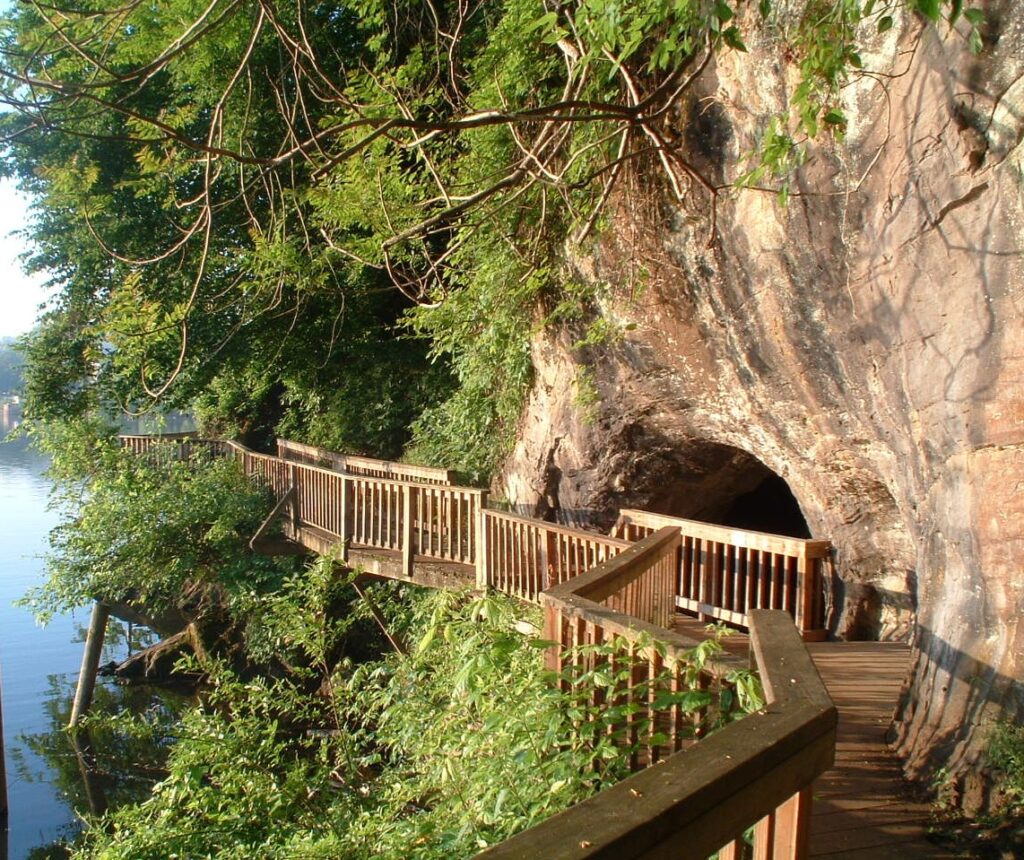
(52, 783)
(115, 759)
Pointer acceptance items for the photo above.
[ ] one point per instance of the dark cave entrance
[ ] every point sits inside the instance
(727, 486)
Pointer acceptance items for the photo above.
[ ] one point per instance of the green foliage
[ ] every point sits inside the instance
(826, 44)
(146, 529)
(1006, 753)
(435, 754)
(345, 223)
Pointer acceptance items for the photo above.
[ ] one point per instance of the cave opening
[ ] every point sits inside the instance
(727, 486)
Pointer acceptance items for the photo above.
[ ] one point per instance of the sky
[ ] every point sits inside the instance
(20, 296)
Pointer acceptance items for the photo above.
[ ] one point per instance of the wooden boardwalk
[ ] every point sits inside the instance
(863, 809)
(761, 771)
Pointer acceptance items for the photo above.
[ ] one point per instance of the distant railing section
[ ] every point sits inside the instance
(724, 573)
(171, 446)
(297, 452)
(432, 521)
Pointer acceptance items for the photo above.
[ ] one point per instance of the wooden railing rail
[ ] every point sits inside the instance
(432, 521)
(628, 600)
(185, 444)
(351, 464)
(524, 557)
(720, 573)
(756, 772)
(723, 573)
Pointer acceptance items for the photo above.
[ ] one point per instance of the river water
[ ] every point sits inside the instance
(48, 782)
(38, 665)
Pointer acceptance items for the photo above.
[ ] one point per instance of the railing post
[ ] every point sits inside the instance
(553, 634)
(296, 521)
(549, 558)
(708, 575)
(482, 550)
(345, 509)
(804, 595)
(407, 530)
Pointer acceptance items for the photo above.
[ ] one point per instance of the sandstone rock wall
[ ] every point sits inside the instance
(865, 343)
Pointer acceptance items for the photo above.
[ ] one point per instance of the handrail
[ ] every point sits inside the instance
(754, 772)
(720, 573)
(724, 572)
(357, 465)
(524, 557)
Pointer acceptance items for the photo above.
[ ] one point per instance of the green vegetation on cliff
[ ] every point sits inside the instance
(345, 223)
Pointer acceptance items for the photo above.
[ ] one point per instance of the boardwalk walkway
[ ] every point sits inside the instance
(863, 809)
(409, 523)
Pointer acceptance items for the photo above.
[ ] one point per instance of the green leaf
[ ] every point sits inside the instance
(975, 16)
(835, 117)
(765, 8)
(884, 23)
(732, 38)
(723, 12)
(869, 7)
(974, 42)
(930, 9)
(955, 8)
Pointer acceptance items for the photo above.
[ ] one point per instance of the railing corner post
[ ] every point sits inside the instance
(553, 634)
(345, 531)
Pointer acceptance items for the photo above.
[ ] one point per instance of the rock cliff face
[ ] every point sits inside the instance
(865, 344)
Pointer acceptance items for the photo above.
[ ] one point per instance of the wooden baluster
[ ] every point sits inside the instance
(408, 507)
(654, 667)
(482, 555)
(732, 851)
(791, 832)
(632, 731)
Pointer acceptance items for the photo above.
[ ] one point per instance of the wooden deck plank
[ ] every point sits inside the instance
(863, 809)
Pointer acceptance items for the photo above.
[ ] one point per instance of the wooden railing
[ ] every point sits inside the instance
(718, 573)
(524, 557)
(705, 793)
(628, 600)
(175, 446)
(433, 521)
(297, 452)
(754, 773)
(724, 573)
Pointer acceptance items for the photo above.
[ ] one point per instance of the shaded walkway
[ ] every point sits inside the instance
(863, 809)
(862, 806)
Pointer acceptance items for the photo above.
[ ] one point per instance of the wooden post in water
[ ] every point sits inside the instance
(90, 662)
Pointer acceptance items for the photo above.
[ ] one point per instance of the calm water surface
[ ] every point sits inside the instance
(38, 664)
